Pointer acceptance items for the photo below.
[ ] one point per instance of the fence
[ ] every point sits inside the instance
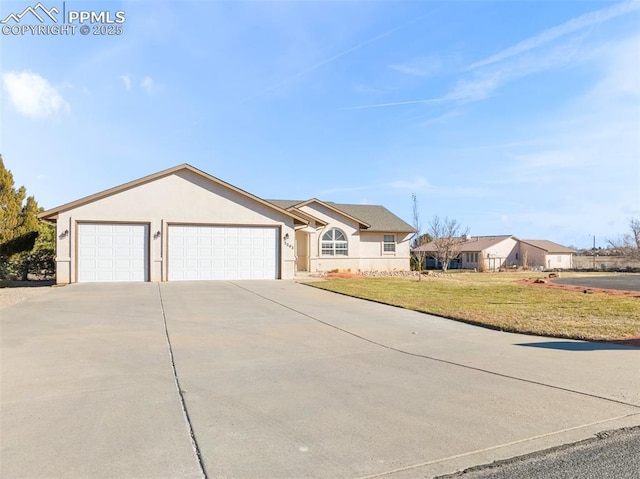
(606, 263)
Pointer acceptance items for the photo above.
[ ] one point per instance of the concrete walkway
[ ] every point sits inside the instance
(283, 380)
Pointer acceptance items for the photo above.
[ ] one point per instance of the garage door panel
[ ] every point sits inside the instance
(222, 252)
(112, 252)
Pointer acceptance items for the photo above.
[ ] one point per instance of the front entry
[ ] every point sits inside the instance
(302, 251)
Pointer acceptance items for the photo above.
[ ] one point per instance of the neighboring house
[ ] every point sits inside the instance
(184, 224)
(547, 254)
(484, 253)
(491, 253)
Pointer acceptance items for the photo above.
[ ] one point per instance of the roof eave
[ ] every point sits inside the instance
(362, 224)
(306, 215)
(54, 212)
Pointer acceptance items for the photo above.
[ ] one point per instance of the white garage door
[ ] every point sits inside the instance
(112, 252)
(222, 252)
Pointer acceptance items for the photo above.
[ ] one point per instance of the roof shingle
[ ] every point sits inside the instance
(378, 217)
(549, 246)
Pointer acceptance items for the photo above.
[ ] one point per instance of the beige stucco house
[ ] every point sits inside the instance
(184, 224)
(546, 254)
(491, 253)
(349, 237)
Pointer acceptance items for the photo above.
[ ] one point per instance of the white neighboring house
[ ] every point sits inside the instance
(491, 253)
(184, 224)
(546, 254)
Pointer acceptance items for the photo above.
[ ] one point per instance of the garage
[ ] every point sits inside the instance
(112, 252)
(174, 225)
(222, 252)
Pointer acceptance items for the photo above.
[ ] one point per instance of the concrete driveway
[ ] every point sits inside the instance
(278, 379)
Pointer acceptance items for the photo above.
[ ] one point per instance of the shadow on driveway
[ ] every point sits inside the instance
(27, 284)
(586, 346)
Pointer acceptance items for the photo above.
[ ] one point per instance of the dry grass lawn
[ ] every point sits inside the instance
(498, 301)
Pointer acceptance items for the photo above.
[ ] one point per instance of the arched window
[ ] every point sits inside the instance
(334, 243)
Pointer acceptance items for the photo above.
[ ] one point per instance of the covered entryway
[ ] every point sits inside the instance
(112, 252)
(222, 252)
(302, 251)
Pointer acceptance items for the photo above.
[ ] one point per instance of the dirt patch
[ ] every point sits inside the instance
(344, 275)
(534, 282)
(15, 292)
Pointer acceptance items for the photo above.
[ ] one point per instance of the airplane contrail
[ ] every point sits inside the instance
(348, 51)
(409, 102)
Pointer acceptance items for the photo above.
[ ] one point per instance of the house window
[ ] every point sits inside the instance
(472, 257)
(334, 243)
(516, 256)
(389, 243)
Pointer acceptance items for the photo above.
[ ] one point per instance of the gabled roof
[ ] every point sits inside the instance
(374, 218)
(380, 218)
(549, 246)
(285, 204)
(308, 216)
(332, 207)
(481, 243)
(53, 213)
(473, 244)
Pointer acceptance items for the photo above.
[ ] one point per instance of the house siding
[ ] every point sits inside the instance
(373, 258)
(501, 255)
(182, 197)
(364, 248)
(317, 261)
(539, 258)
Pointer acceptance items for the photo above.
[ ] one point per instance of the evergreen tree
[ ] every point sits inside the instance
(27, 245)
(11, 217)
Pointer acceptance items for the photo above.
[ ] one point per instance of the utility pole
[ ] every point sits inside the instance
(594, 252)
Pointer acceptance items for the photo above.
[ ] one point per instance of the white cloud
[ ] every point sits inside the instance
(621, 64)
(584, 175)
(494, 72)
(148, 84)
(421, 67)
(484, 82)
(573, 25)
(416, 184)
(367, 89)
(440, 118)
(33, 95)
(126, 79)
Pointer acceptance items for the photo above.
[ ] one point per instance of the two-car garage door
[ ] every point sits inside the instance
(222, 252)
(120, 252)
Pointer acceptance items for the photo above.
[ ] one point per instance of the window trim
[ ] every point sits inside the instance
(386, 243)
(334, 247)
(471, 257)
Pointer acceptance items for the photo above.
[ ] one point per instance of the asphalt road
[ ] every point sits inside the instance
(625, 282)
(612, 455)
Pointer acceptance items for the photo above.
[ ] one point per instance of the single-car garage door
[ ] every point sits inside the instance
(222, 252)
(112, 252)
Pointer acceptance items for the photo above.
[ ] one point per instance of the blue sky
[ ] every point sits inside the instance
(512, 117)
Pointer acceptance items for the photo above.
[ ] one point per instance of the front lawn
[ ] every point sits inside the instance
(498, 301)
